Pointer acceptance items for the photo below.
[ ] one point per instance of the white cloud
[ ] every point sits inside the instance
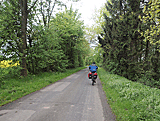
(87, 9)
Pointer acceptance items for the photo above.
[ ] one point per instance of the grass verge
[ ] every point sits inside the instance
(130, 101)
(13, 89)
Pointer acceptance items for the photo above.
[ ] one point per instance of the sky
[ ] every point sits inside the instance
(87, 9)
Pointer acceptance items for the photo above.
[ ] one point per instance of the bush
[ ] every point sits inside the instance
(148, 80)
(9, 72)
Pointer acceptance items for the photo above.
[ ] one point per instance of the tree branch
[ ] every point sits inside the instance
(44, 20)
(53, 7)
(32, 6)
(38, 18)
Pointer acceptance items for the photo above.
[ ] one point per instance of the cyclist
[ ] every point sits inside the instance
(93, 67)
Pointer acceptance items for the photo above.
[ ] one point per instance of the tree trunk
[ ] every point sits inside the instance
(24, 11)
(24, 41)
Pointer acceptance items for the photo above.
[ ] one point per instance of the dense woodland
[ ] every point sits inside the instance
(40, 39)
(130, 40)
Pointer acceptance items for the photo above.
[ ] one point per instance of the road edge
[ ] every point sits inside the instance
(107, 112)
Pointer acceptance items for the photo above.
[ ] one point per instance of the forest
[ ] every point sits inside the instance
(129, 43)
(38, 39)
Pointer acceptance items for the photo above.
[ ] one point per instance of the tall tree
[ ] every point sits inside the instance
(150, 18)
(47, 8)
(121, 40)
(16, 14)
(24, 12)
(71, 35)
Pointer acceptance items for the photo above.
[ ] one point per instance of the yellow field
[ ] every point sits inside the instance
(7, 63)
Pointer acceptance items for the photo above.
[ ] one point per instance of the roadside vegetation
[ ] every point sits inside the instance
(45, 43)
(130, 101)
(129, 52)
(130, 40)
(51, 38)
(14, 88)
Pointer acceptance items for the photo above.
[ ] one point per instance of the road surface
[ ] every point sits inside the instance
(70, 99)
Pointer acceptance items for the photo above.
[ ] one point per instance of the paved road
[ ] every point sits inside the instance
(70, 99)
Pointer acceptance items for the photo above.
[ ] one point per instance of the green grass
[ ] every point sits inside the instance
(130, 101)
(13, 89)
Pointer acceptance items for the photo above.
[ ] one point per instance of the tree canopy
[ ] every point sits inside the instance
(50, 43)
(130, 39)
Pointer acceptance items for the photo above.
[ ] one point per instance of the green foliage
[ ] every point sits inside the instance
(152, 18)
(44, 53)
(10, 28)
(89, 60)
(70, 36)
(130, 100)
(48, 48)
(98, 56)
(125, 51)
(8, 73)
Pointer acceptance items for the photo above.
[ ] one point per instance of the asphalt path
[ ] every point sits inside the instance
(70, 99)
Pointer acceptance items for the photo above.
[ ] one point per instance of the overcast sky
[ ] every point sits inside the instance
(87, 8)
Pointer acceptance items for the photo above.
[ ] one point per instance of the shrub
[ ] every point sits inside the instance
(9, 72)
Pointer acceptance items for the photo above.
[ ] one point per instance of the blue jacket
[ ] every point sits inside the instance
(93, 68)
